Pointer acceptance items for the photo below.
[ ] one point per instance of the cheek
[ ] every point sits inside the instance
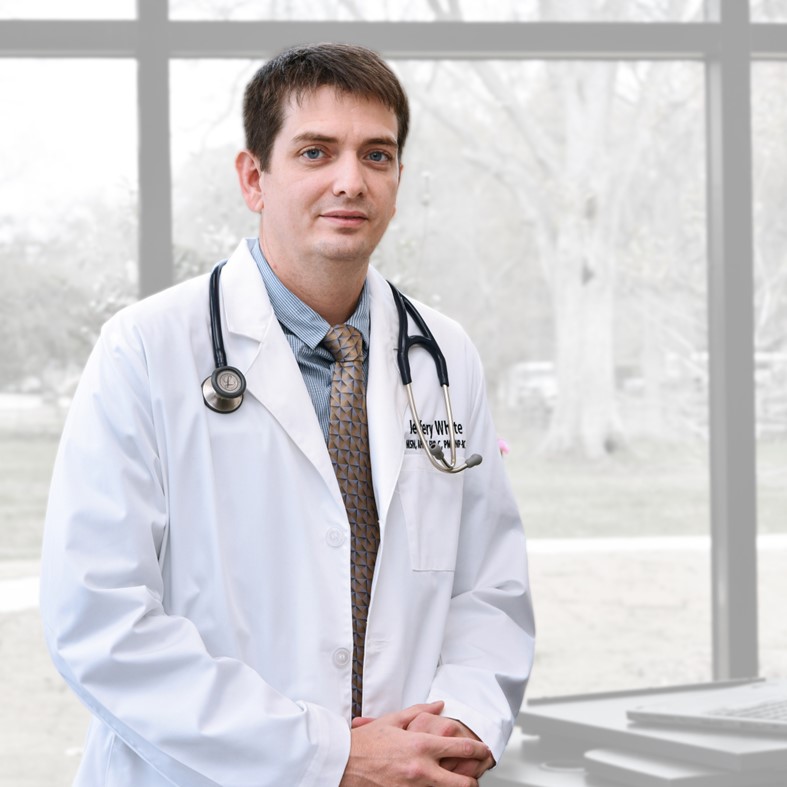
(289, 208)
(386, 199)
(394, 191)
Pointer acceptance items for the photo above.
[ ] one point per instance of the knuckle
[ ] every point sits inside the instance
(450, 728)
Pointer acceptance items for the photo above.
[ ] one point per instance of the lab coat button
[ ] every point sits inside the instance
(334, 537)
(341, 657)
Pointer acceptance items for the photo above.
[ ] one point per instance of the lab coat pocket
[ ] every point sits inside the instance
(432, 506)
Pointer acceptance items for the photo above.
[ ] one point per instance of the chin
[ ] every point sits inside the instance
(346, 252)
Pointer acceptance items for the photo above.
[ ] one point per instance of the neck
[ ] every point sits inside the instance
(330, 287)
(334, 299)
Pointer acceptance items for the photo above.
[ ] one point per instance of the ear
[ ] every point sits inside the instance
(249, 177)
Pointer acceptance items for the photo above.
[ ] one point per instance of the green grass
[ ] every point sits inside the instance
(25, 469)
(652, 489)
(624, 496)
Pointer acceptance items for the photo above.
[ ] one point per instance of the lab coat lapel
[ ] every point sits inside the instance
(386, 399)
(258, 347)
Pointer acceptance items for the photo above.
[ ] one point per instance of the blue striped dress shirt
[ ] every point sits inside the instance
(305, 330)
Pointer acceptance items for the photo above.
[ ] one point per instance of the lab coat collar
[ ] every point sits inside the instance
(258, 347)
(386, 398)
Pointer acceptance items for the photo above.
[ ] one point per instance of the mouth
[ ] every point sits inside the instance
(345, 218)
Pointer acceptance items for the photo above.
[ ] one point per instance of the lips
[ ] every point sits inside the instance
(345, 219)
(345, 215)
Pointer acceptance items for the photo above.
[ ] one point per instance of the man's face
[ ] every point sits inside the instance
(330, 189)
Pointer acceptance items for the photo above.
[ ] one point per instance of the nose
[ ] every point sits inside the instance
(349, 180)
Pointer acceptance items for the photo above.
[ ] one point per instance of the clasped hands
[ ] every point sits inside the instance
(415, 746)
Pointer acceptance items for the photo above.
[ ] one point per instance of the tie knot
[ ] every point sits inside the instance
(344, 342)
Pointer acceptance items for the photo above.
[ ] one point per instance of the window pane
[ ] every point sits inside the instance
(425, 11)
(209, 216)
(68, 245)
(769, 121)
(557, 210)
(769, 10)
(73, 9)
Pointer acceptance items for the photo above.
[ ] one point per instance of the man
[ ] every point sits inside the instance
(281, 594)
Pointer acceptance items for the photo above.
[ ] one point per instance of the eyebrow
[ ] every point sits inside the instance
(309, 136)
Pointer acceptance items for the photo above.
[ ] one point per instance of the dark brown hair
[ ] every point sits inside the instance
(294, 72)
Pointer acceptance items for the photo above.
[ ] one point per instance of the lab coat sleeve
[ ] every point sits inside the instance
(488, 644)
(197, 719)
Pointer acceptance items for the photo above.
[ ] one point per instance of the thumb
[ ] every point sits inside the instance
(403, 717)
(360, 721)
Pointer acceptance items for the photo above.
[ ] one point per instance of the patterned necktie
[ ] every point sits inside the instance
(348, 446)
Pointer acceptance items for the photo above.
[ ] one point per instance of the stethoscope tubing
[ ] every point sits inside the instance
(221, 399)
(219, 355)
(406, 341)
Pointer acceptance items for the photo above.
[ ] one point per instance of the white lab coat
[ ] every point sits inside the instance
(195, 585)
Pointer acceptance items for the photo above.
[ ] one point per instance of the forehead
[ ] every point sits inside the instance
(328, 110)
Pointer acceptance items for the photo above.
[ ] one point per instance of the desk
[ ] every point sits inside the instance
(532, 762)
(587, 741)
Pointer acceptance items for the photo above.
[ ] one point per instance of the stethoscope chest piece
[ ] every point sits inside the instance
(223, 390)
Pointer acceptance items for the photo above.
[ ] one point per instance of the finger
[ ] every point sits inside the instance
(403, 717)
(473, 768)
(437, 725)
(436, 776)
(464, 748)
(468, 767)
(451, 763)
(448, 779)
(360, 721)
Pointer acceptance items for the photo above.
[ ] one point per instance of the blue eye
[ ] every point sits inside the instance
(312, 154)
(379, 156)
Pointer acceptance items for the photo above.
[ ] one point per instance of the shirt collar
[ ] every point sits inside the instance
(296, 316)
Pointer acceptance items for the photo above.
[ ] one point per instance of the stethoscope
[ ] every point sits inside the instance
(223, 390)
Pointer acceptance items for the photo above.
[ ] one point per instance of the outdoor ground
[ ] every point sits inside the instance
(589, 639)
(618, 611)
